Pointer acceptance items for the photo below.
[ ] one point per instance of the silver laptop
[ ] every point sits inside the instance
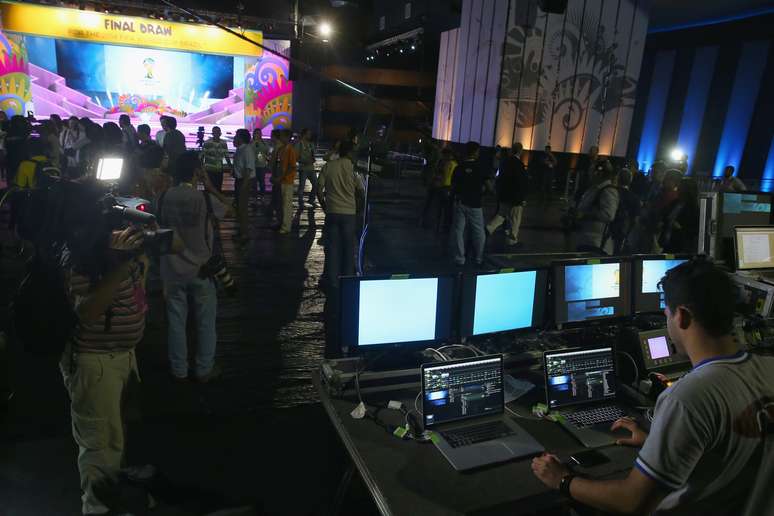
(581, 386)
(462, 402)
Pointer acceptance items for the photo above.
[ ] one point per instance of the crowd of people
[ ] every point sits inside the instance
(611, 209)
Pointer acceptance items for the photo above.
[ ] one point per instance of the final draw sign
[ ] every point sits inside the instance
(62, 23)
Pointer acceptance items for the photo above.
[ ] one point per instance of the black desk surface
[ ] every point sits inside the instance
(406, 477)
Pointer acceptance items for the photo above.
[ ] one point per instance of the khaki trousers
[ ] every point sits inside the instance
(287, 207)
(96, 383)
(513, 215)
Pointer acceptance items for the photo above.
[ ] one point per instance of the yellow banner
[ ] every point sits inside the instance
(62, 23)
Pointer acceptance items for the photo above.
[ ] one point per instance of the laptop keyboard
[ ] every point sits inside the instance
(476, 434)
(595, 416)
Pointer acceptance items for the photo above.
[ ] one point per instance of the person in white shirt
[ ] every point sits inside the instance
(244, 175)
(710, 449)
(162, 132)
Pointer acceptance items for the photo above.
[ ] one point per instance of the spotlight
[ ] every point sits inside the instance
(677, 154)
(413, 47)
(325, 29)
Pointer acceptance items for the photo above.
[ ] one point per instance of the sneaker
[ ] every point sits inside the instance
(214, 374)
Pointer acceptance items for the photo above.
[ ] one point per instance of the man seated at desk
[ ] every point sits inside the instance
(711, 444)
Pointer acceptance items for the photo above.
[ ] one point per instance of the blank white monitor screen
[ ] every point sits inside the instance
(504, 302)
(109, 169)
(397, 310)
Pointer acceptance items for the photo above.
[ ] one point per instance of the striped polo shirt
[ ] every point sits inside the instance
(122, 325)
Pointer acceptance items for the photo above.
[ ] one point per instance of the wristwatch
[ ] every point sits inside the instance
(564, 485)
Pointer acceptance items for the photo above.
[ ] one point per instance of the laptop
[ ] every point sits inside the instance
(463, 403)
(581, 389)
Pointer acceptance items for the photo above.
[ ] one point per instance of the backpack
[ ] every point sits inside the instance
(42, 318)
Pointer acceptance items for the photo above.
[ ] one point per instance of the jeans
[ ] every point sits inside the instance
(204, 298)
(302, 176)
(510, 213)
(287, 207)
(467, 216)
(339, 247)
(260, 176)
(96, 383)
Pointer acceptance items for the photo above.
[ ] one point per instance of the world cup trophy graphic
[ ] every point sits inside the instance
(148, 63)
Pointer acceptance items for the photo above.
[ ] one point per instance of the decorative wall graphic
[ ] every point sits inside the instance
(565, 79)
(268, 92)
(138, 105)
(15, 89)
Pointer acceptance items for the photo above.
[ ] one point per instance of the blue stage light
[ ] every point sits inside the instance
(696, 100)
(744, 95)
(654, 110)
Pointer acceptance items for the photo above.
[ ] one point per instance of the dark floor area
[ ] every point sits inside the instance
(257, 438)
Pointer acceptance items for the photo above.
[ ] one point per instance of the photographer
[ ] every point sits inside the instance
(189, 274)
(106, 282)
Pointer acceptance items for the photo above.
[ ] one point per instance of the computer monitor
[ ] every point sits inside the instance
(743, 209)
(462, 389)
(579, 376)
(754, 247)
(395, 310)
(648, 271)
(658, 350)
(502, 301)
(590, 290)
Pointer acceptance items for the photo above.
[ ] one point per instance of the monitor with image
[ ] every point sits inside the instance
(648, 271)
(504, 301)
(390, 311)
(591, 290)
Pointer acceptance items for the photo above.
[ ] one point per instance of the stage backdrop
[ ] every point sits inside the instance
(514, 73)
(103, 65)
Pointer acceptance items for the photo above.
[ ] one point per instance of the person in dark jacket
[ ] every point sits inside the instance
(680, 230)
(468, 185)
(511, 185)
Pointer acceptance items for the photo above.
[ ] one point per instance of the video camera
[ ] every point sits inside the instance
(81, 215)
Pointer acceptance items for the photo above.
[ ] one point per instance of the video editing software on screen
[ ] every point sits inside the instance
(462, 390)
(578, 376)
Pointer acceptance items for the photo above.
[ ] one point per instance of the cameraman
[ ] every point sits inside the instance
(107, 291)
(186, 275)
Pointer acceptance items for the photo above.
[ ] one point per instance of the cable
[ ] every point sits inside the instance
(440, 355)
(469, 348)
(522, 416)
(636, 369)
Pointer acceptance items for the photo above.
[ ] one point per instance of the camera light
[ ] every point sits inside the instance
(677, 154)
(109, 169)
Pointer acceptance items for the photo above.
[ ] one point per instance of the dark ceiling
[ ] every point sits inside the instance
(669, 14)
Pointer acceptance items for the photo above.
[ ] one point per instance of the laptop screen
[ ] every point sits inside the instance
(579, 376)
(462, 389)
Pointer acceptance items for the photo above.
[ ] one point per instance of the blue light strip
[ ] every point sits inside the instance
(768, 170)
(713, 21)
(660, 81)
(696, 101)
(744, 94)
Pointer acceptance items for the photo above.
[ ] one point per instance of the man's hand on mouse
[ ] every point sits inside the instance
(638, 434)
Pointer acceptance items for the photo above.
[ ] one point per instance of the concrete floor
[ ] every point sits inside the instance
(257, 438)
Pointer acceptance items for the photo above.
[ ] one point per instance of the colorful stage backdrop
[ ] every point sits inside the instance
(514, 73)
(80, 71)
